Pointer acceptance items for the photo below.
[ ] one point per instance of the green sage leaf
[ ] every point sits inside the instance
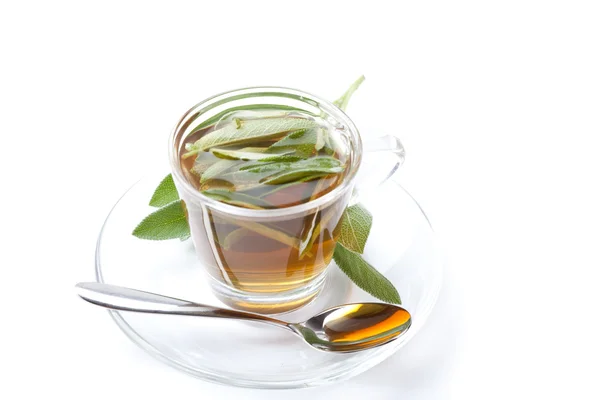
(356, 226)
(314, 168)
(245, 155)
(342, 102)
(254, 130)
(237, 199)
(302, 142)
(218, 168)
(165, 193)
(364, 275)
(277, 188)
(168, 222)
(322, 164)
(249, 107)
(203, 162)
(249, 175)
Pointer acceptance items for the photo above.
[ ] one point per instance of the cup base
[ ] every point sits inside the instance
(270, 303)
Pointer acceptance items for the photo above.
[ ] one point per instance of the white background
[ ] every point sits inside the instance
(497, 103)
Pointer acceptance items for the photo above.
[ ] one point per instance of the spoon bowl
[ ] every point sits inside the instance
(354, 327)
(343, 329)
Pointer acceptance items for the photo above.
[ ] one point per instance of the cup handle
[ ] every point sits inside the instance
(382, 157)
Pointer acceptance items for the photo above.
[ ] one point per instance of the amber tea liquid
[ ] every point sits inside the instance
(258, 263)
(269, 257)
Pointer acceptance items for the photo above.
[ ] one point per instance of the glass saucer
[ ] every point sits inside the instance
(247, 354)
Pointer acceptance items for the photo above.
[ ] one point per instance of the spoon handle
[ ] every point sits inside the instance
(126, 299)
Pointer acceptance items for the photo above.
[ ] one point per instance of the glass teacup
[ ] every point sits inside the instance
(258, 259)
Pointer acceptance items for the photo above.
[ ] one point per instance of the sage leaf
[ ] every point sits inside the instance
(284, 186)
(283, 157)
(203, 162)
(234, 237)
(165, 193)
(217, 169)
(299, 175)
(249, 107)
(245, 155)
(315, 167)
(327, 143)
(237, 199)
(168, 222)
(316, 231)
(254, 130)
(264, 230)
(303, 142)
(322, 164)
(356, 226)
(320, 141)
(236, 178)
(364, 275)
(250, 175)
(308, 229)
(342, 102)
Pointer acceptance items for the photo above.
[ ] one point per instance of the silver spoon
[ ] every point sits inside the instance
(345, 329)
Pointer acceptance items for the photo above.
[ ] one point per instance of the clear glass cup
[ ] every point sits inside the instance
(279, 279)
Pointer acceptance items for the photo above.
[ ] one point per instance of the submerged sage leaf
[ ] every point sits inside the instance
(217, 169)
(249, 107)
(277, 188)
(294, 176)
(249, 175)
(302, 142)
(203, 162)
(315, 167)
(283, 157)
(305, 143)
(234, 237)
(316, 231)
(264, 230)
(244, 154)
(237, 199)
(311, 224)
(254, 130)
(320, 142)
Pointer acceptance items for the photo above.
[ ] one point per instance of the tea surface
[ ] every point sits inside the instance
(264, 161)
